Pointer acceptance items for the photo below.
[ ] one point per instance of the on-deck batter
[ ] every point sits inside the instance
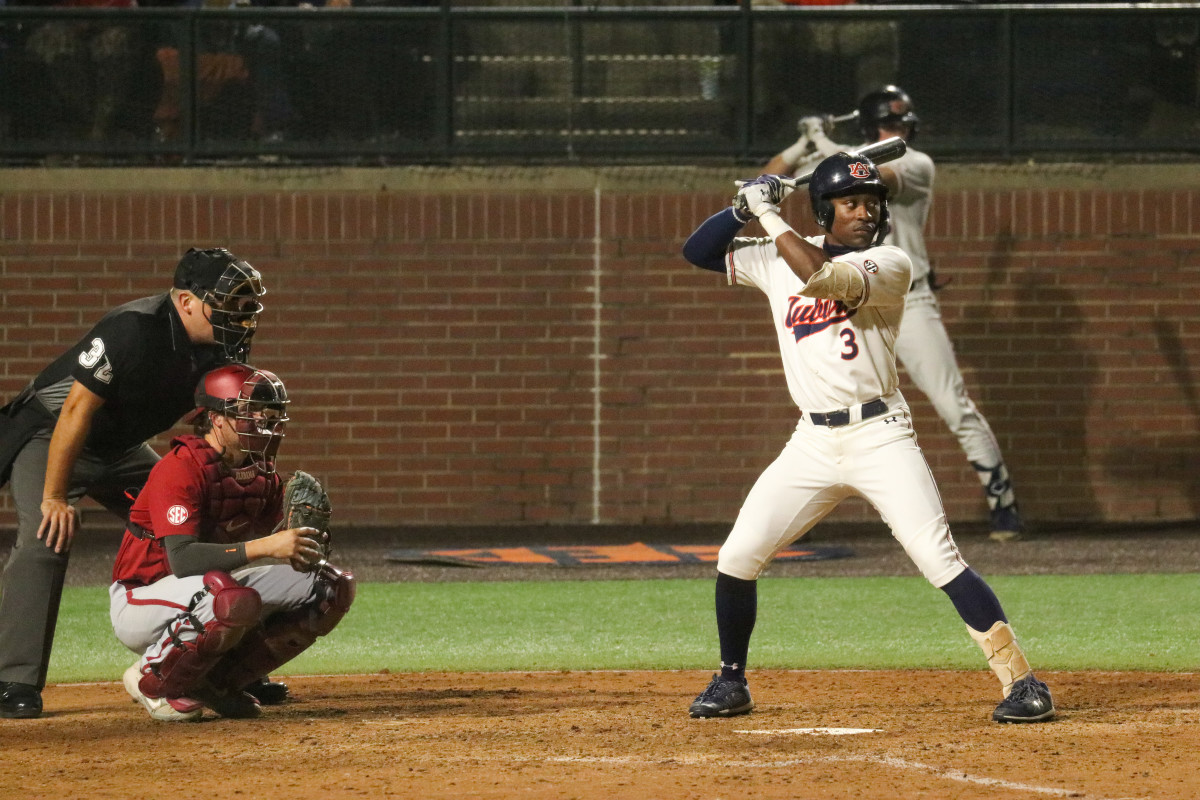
(837, 302)
(923, 346)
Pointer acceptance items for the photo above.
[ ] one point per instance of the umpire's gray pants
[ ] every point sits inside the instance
(31, 587)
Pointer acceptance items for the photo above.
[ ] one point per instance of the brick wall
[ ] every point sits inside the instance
(443, 333)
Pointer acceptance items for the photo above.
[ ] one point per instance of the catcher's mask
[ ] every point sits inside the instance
(256, 401)
(843, 174)
(232, 288)
(889, 107)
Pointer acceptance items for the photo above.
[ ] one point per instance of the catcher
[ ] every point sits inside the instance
(189, 594)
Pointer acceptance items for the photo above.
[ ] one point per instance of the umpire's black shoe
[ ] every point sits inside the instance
(267, 691)
(20, 701)
(724, 697)
(1028, 701)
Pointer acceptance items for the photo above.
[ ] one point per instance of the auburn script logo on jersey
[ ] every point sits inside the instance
(806, 316)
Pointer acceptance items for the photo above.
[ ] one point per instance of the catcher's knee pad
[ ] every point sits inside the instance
(235, 609)
(286, 635)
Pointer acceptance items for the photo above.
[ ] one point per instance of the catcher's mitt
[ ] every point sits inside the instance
(306, 505)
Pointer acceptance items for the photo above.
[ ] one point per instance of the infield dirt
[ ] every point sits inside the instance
(594, 735)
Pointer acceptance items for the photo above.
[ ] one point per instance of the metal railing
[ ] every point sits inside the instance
(611, 84)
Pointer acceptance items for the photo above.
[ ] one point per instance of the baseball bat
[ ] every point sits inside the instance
(844, 118)
(880, 153)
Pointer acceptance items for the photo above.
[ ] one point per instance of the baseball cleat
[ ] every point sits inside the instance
(179, 709)
(1006, 524)
(1028, 701)
(266, 691)
(233, 704)
(20, 701)
(724, 697)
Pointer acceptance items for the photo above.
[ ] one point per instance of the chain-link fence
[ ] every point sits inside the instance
(557, 82)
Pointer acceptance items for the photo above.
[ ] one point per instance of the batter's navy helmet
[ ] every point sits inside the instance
(889, 106)
(842, 174)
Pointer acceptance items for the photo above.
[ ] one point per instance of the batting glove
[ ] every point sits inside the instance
(761, 195)
(812, 127)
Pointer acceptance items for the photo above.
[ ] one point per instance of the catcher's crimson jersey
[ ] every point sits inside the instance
(176, 502)
(833, 356)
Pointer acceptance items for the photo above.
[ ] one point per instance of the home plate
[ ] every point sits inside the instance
(817, 731)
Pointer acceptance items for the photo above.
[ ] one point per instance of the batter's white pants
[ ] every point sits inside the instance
(925, 350)
(878, 460)
(143, 618)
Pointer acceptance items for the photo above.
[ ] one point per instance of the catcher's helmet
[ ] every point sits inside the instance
(232, 288)
(889, 106)
(842, 174)
(257, 402)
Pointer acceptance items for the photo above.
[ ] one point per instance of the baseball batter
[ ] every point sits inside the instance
(837, 302)
(190, 595)
(923, 346)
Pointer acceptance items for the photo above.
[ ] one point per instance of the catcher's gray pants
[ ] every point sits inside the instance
(31, 587)
(143, 618)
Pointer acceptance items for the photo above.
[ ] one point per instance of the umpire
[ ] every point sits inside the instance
(80, 428)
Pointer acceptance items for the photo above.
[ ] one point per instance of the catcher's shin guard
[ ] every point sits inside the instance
(286, 635)
(235, 609)
(1004, 654)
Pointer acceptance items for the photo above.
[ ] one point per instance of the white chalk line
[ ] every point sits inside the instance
(814, 731)
(887, 761)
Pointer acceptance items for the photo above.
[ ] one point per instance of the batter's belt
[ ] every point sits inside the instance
(836, 419)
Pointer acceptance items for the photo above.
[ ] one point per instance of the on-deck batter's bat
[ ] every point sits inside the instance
(880, 153)
(843, 118)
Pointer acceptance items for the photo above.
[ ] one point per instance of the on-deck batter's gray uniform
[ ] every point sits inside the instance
(924, 346)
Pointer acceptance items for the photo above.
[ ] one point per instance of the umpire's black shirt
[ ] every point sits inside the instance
(140, 360)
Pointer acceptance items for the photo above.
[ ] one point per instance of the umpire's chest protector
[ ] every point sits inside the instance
(236, 500)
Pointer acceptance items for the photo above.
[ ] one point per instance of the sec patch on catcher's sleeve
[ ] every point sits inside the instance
(177, 515)
(870, 266)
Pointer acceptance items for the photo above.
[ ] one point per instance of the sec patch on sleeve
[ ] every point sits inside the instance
(177, 515)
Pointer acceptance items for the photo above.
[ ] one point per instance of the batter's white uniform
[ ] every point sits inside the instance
(839, 359)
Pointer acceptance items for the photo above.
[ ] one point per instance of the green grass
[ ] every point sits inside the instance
(1106, 622)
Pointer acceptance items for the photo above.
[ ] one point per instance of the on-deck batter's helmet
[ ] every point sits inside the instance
(889, 107)
(842, 174)
(257, 402)
(232, 288)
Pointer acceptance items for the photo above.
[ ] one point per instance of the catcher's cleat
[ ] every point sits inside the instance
(178, 709)
(724, 697)
(1028, 701)
(230, 704)
(1006, 524)
(266, 691)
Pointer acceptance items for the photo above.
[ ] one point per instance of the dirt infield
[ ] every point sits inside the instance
(604, 735)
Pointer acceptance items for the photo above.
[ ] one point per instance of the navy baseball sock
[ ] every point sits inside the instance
(975, 601)
(737, 610)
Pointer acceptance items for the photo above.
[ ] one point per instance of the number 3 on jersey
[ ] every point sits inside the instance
(850, 351)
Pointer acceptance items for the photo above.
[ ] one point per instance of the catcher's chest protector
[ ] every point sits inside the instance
(233, 505)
